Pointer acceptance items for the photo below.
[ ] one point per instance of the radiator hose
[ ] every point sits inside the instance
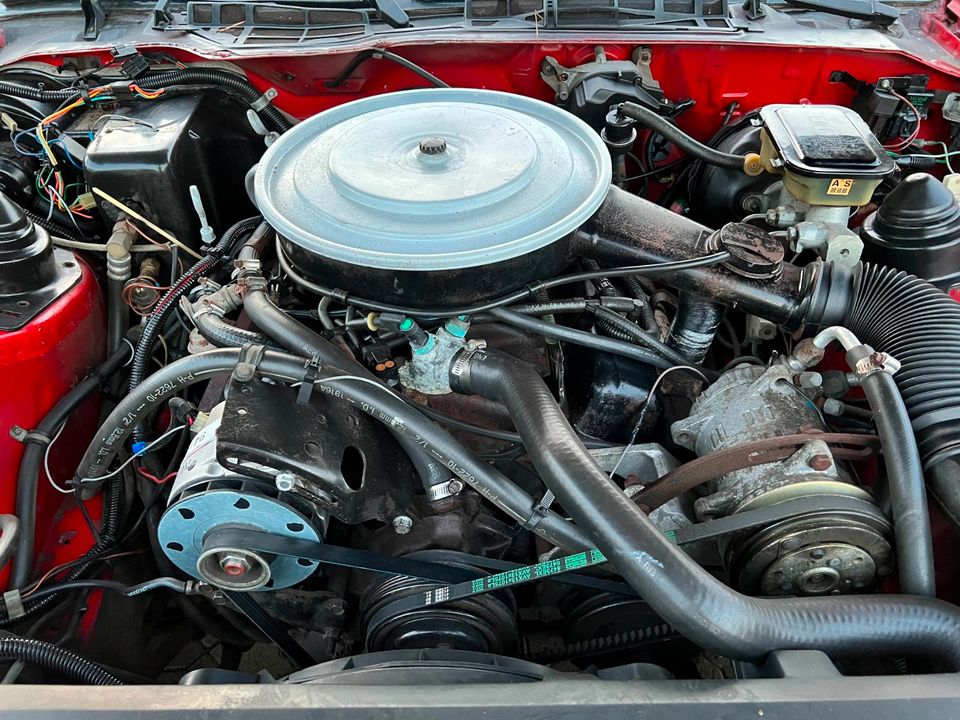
(301, 340)
(685, 595)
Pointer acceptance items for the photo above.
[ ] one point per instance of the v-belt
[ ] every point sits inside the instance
(458, 582)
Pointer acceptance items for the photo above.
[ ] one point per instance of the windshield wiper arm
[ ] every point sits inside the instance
(391, 13)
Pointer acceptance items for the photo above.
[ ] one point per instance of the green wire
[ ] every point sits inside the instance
(946, 156)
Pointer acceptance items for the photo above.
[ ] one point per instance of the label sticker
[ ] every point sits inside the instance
(840, 187)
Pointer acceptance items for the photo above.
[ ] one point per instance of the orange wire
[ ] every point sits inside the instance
(61, 566)
(148, 94)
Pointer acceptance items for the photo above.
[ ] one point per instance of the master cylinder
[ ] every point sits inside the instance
(830, 163)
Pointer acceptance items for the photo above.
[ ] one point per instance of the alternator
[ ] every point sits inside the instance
(207, 497)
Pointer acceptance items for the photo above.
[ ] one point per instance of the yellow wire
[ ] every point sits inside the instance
(156, 228)
(45, 145)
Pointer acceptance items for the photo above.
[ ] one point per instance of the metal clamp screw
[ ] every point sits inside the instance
(877, 362)
(444, 490)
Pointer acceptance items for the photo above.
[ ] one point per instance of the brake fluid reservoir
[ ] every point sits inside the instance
(825, 153)
(51, 335)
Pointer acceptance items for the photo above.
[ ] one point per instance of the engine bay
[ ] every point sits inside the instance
(505, 363)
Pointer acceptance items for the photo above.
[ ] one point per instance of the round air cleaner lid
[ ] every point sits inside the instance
(433, 179)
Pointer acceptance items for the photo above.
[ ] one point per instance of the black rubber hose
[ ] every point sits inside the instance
(573, 305)
(212, 260)
(301, 340)
(578, 337)
(662, 126)
(910, 319)
(908, 497)
(223, 78)
(637, 334)
(694, 327)
(378, 53)
(220, 333)
(371, 397)
(643, 306)
(685, 595)
(32, 459)
(118, 314)
(59, 660)
(255, 245)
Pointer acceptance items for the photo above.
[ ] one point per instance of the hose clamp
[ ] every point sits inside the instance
(460, 368)
(444, 490)
(14, 604)
(251, 279)
(30, 436)
(250, 358)
(876, 362)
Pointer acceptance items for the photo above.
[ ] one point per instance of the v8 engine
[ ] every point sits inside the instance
(490, 383)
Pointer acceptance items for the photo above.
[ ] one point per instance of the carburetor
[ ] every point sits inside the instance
(841, 545)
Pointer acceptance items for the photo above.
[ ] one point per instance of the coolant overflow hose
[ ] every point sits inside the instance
(685, 595)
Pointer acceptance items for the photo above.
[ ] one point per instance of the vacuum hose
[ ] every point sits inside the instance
(685, 595)
(664, 127)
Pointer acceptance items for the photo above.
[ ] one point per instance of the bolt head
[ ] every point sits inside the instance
(820, 462)
(234, 565)
(402, 524)
(285, 481)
